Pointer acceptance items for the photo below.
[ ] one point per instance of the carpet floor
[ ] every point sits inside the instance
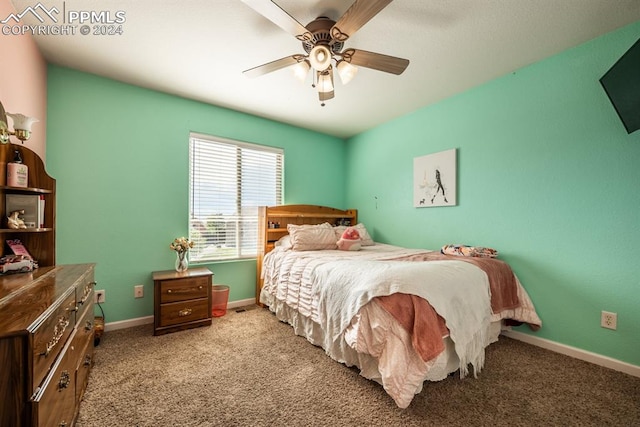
(249, 369)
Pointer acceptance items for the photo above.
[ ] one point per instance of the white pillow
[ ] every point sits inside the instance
(309, 237)
(284, 242)
(364, 235)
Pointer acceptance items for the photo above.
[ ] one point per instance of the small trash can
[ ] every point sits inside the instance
(219, 298)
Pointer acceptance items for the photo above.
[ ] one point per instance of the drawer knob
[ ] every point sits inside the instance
(65, 379)
(58, 332)
(88, 326)
(87, 360)
(185, 312)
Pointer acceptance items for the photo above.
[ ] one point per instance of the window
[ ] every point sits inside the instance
(228, 181)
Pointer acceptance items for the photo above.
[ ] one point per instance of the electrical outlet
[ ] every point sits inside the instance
(138, 291)
(609, 320)
(99, 296)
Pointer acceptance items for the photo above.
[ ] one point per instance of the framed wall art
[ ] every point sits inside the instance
(435, 179)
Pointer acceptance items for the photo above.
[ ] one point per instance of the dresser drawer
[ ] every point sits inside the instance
(85, 328)
(184, 289)
(185, 311)
(84, 363)
(50, 336)
(54, 402)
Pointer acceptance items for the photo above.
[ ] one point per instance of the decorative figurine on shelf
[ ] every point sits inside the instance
(14, 221)
(181, 245)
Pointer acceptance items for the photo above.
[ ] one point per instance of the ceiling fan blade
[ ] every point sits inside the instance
(376, 61)
(280, 17)
(269, 67)
(360, 12)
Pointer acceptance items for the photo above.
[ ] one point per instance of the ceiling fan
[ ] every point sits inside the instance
(323, 42)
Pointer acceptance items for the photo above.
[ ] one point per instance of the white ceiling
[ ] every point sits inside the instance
(198, 49)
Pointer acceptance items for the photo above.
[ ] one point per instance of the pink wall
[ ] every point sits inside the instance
(23, 82)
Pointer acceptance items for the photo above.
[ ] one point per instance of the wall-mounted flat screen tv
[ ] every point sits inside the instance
(622, 85)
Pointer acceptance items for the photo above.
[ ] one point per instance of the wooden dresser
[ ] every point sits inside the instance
(46, 344)
(181, 300)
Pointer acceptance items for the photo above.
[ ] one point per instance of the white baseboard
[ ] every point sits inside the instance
(576, 353)
(129, 323)
(241, 303)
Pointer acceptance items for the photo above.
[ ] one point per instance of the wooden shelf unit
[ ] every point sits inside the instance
(40, 242)
(291, 214)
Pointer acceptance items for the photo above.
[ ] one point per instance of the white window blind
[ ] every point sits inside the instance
(228, 181)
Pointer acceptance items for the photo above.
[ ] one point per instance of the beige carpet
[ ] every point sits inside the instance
(249, 369)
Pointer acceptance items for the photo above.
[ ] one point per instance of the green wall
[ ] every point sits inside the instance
(119, 154)
(546, 174)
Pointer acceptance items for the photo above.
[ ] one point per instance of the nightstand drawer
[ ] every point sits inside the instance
(183, 290)
(184, 311)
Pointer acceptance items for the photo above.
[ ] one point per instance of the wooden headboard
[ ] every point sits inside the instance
(273, 221)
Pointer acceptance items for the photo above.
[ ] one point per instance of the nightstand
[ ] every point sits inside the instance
(181, 300)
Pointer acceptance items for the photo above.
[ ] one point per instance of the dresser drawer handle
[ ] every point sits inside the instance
(88, 326)
(63, 424)
(87, 291)
(65, 379)
(87, 360)
(185, 312)
(170, 291)
(58, 332)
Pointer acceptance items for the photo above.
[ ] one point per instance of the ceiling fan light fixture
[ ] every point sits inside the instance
(325, 81)
(301, 69)
(346, 71)
(320, 57)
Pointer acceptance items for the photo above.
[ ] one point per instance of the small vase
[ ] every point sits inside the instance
(182, 263)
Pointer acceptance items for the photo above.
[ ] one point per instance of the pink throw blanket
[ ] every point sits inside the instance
(420, 320)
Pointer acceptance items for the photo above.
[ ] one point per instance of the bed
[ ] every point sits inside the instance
(402, 316)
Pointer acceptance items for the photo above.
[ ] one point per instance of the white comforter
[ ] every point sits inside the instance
(458, 291)
(330, 302)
